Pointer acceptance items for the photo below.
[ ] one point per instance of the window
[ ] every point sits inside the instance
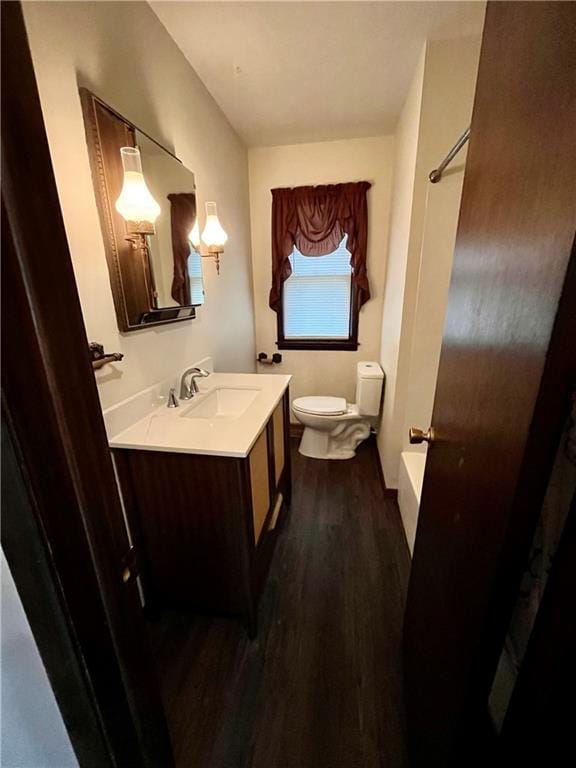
(195, 278)
(318, 307)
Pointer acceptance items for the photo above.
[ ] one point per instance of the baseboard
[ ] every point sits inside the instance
(389, 493)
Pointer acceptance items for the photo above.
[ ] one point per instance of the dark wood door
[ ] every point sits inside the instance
(501, 399)
(60, 474)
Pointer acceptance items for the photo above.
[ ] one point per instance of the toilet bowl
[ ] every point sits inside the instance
(333, 428)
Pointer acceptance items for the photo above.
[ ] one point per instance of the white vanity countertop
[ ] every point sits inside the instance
(177, 430)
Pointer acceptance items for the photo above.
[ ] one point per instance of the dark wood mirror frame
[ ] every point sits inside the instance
(131, 277)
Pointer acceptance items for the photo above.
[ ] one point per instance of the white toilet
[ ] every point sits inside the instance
(333, 428)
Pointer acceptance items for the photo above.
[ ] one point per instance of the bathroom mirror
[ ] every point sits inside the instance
(155, 278)
(172, 186)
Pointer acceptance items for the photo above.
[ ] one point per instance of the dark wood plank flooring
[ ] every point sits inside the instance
(321, 686)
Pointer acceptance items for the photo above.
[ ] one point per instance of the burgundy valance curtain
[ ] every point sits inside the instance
(182, 216)
(315, 219)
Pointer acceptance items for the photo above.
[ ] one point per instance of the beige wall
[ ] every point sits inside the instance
(326, 373)
(423, 228)
(33, 731)
(404, 244)
(122, 52)
(446, 111)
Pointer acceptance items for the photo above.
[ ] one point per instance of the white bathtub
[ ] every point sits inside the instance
(410, 479)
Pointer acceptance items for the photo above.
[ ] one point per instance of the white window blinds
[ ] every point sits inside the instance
(316, 296)
(195, 276)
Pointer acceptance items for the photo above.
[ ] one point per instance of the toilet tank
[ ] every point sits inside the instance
(369, 381)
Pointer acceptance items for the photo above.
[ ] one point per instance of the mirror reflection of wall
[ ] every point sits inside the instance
(173, 186)
(560, 499)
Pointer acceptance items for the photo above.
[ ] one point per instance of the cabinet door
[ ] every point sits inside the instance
(279, 458)
(259, 482)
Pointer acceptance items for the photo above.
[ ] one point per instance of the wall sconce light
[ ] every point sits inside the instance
(211, 243)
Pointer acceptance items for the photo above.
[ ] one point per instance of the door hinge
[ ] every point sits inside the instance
(129, 566)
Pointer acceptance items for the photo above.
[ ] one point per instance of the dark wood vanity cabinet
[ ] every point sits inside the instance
(204, 527)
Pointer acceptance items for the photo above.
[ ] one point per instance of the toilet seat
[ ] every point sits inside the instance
(320, 405)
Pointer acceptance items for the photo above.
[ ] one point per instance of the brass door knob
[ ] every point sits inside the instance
(417, 436)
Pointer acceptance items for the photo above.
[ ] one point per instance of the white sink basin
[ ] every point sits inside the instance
(221, 403)
(223, 419)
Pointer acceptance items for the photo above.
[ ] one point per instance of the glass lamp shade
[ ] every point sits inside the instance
(213, 235)
(194, 235)
(136, 204)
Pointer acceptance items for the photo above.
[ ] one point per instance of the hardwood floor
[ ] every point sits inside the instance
(320, 687)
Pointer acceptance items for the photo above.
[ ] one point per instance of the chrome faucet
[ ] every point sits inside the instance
(188, 391)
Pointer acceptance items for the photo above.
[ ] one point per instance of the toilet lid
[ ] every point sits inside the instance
(324, 406)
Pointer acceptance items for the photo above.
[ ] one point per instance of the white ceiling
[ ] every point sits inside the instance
(290, 72)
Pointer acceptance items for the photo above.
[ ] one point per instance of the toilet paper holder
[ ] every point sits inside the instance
(263, 358)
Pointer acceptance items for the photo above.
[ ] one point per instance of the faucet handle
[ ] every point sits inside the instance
(172, 399)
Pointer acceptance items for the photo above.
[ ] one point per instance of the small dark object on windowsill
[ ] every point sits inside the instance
(263, 358)
(99, 358)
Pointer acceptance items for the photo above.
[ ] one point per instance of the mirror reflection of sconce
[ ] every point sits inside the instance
(135, 203)
(213, 239)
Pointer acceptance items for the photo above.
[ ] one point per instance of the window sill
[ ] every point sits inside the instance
(336, 345)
